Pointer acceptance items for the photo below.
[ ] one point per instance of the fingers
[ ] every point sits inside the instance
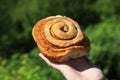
(45, 59)
(52, 64)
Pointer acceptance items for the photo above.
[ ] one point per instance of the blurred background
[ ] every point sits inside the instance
(19, 60)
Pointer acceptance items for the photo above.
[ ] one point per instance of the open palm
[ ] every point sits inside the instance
(76, 69)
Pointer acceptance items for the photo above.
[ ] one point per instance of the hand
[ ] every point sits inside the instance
(76, 69)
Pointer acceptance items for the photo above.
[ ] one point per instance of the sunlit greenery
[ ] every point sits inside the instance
(19, 60)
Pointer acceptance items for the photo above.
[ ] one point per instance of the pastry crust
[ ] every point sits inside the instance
(60, 38)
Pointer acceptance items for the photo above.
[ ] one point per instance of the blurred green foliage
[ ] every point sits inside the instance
(105, 47)
(27, 67)
(19, 58)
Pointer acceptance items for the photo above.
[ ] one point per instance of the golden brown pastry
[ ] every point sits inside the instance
(60, 38)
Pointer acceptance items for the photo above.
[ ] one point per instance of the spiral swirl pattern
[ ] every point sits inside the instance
(59, 37)
(63, 32)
